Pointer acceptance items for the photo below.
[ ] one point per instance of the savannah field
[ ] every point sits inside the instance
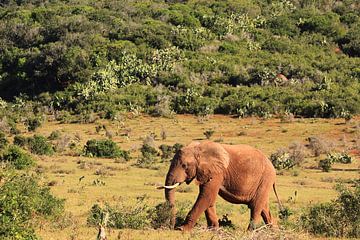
(123, 181)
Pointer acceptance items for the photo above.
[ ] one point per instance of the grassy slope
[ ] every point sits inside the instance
(125, 182)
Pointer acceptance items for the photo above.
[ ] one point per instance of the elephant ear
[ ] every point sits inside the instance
(212, 159)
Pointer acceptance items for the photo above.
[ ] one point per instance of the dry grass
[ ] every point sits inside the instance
(124, 182)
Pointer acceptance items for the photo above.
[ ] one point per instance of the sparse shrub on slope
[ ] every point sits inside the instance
(339, 218)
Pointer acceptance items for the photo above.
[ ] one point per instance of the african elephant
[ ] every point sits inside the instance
(240, 174)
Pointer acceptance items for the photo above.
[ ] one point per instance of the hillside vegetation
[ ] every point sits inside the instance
(244, 57)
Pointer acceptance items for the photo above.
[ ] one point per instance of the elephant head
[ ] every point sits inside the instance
(197, 160)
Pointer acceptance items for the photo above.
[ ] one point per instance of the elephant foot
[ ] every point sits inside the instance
(184, 228)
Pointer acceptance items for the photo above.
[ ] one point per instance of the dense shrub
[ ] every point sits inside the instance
(33, 123)
(22, 200)
(104, 148)
(17, 158)
(339, 218)
(39, 145)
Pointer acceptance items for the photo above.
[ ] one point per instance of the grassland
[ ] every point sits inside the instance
(124, 181)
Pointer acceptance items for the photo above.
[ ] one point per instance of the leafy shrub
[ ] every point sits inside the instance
(16, 157)
(104, 148)
(340, 157)
(23, 199)
(325, 164)
(339, 218)
(38, 145)
(288, 158)
(33, 123)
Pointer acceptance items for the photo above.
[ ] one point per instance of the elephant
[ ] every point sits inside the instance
(240, 174)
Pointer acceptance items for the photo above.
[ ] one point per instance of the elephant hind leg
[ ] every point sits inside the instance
(266, 215)
(255, 217)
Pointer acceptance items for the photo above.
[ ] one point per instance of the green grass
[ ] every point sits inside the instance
(124, 182)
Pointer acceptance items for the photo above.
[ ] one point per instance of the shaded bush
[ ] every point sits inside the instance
(17, 158)
(148, 156)
(339, 218)
(20, 140)
(3, 140)
(33, 123)
(104, 148)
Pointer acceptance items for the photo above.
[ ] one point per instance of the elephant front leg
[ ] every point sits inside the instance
(205, 201)
(211, 217)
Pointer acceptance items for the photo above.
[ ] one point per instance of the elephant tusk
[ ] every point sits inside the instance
(169, 187)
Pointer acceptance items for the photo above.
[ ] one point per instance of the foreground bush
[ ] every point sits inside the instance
(122, 216)
(339, 218)
(137, 216)
(17, 158)
(22, 200)
(104, 148)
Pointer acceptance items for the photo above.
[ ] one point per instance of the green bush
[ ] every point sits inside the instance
(22, 201)
(17, 158)
(39, 145)
(339, 218)
(104, 148)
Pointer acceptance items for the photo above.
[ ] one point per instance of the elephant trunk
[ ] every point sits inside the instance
(170, 198)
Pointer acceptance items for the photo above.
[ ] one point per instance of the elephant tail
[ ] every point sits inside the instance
(277, 197)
